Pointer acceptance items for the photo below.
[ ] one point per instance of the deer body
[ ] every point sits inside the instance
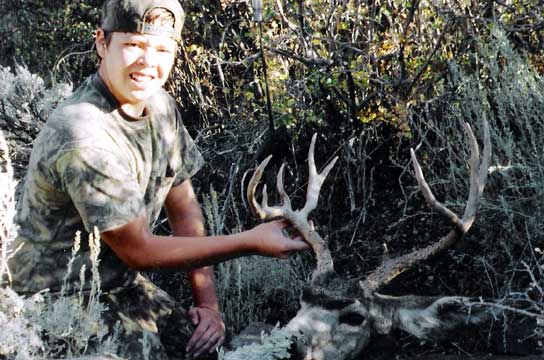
(338, 316)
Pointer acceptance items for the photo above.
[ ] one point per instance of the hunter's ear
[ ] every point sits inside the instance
(100, 42)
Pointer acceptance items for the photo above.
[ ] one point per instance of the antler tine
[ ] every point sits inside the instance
(286, 201)
(272, 212)
(263, 211)
(252, 186)
(474, 163)
(315, 180)
(486, 161)
(478, 176)
(428, 194)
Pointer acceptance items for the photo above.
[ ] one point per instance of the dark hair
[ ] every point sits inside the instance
(160, 16)
(107, 36)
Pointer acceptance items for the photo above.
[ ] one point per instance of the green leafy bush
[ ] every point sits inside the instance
(25, 103)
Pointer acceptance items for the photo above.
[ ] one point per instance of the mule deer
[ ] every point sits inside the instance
(338, 316)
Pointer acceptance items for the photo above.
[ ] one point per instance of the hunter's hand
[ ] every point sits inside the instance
(209, 333)
(271, 239)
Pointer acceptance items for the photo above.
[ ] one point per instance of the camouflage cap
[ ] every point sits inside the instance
(130, 15)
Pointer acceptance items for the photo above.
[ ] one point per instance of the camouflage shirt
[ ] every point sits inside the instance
(93, 165)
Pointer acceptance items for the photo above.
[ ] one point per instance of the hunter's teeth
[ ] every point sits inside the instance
(140, 77)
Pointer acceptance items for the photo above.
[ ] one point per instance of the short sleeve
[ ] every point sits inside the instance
(102, 187)
(191, 159)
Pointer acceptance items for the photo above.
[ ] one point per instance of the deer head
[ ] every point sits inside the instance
(337, 315)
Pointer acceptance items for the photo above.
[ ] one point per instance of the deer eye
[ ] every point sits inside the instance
(352, 318)
(336, 304)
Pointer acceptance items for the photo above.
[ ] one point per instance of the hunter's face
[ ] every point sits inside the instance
(135, 66)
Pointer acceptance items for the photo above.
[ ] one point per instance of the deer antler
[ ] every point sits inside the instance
(298, 218)
(478, 177)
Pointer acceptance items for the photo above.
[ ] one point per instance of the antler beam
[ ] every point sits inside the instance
(298, 218)
(478, 178)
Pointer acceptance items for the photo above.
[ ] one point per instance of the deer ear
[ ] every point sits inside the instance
(434, 319)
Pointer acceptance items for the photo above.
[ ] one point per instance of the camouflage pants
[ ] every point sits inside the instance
(153, 325)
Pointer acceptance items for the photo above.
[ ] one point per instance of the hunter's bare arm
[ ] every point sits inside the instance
(137, 247)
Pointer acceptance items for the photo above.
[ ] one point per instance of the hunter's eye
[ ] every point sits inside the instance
(352, 318)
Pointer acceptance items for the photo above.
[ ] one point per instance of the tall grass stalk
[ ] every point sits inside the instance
(7, 207)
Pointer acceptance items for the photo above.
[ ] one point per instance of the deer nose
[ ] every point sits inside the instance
(296, 350)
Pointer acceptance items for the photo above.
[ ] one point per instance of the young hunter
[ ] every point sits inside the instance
(111, 156)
